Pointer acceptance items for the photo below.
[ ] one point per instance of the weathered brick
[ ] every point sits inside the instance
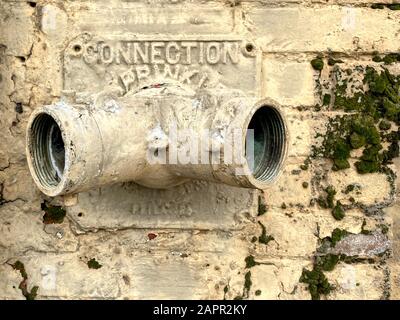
(17, 28)
(288, 187)
(356, 282)
(264, 278)
(294, 234)
(300, 133)
(288, 82)
(374, 188)
(24, 231)
(125, 17)
(67, 276)
(183, 258)
(333, 28)
(10, 280)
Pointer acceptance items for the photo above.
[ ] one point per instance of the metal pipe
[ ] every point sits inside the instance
(159, 138)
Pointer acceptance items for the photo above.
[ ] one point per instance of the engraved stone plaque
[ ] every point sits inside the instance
(92, 63)
(129, 62)
(197, 204)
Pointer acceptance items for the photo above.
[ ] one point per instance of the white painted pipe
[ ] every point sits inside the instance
(73, 148)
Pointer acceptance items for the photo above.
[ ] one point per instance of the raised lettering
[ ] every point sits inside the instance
(138, 51)
(213, 53)
(142, 72)
(106, 53)
(231, 50)
(169, 56)
(123, 52)
(189, 46)
(127, 79)
(156, 52)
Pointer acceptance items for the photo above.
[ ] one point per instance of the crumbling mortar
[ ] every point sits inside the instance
(374, 211)
(3, 201)
(78, 230)
(31, 251)
(308, 4)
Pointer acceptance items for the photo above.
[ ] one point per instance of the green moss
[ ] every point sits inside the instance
(18, 265)
(93, 264)
(379, 103)
(283, 205)
(257, 292)
(384, 125)
(305, 184)
(32, 295)
(371, 153)
(355, 259)
(391, 58)
(377, 6)
(328, 200)
(305, 164)
(326, 100)
(377, 58)
(363, 230)
(387, 59)
(264, 238)
(23, 286)
(393, 150)
(392, 109)
(254, 239)
(341, 150)
(340, 164)
(338, 149)
(337, 235)
(262, 207)
(247, 282)
(370, 112)
(365, 127)
(327, 262)
(246, 287)
(349, 188)
(317, 282)
(367, 166)
(322, 202)
(53, 214)
(332, 62)
(338, 212)
(384, 228)
(317, 64)
(394, 6)
(304, 167)
(331, 192)
(357, 140)
(377, 82)
(250, 262)
(226, 289)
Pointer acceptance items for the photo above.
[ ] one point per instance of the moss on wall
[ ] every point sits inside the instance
(371, 110)
(368, 104)
(23, 286)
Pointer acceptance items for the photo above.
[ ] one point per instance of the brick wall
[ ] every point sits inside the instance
(203, 257)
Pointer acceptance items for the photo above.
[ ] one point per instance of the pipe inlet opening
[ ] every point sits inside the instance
(47, 150)
(269, 143)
